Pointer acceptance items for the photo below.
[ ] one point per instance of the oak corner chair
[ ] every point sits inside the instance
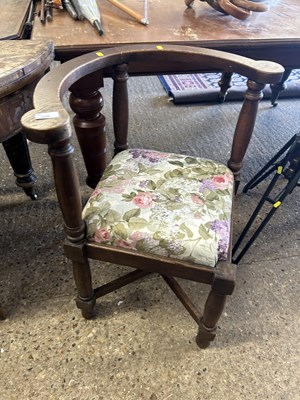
(150, 210)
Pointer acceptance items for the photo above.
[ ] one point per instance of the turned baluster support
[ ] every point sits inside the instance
(87, 102)
(244, 128)
(120, 107)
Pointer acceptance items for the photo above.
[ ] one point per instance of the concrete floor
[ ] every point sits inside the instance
(141, 344)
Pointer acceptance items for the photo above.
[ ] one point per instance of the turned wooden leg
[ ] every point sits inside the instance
(68, 194)
(17, 152)
(85, 300)
(244, 128)
(86, 101)
(222, 286)
(208, 323)
(120, 107)
(279, 87)
(224, 84)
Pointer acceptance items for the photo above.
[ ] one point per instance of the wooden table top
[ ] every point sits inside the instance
(171, 22)
(13, 13)
(21, 62)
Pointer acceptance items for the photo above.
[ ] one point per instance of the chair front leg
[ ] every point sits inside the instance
(86, 298)
(68, 194)
(208, 323)
(222, 286)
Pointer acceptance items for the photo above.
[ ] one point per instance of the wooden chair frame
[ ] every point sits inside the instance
(83, 77)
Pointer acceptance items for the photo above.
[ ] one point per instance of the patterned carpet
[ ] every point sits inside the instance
(194, 88)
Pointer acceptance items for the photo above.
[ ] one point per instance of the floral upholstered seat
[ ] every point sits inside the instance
(167, 204)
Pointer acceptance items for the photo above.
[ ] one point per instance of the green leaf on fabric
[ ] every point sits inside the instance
(157, 235)
(171, 205)
(191, 160)
(160, 182)
(129, 197)
(131, 213)
(171, 194)
(153, 171)
(112, 216)
(151, 185)
(140, 245)
(175, 173)
(92, 227)
(110, 170)
(212, 196)
(120, 231)
(97, 208)
(164, 243)
(176, 163)
(203, 232)
(137, 223)
(141, 167)
(187, 230)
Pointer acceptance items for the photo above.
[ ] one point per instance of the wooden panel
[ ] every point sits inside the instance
(172, 22)
(13, 13)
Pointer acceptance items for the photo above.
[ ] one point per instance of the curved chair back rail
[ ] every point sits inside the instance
(59, 80)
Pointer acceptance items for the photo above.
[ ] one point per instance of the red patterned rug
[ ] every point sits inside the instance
(195, 88)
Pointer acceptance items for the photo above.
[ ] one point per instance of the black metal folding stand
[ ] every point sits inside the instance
(289, 168)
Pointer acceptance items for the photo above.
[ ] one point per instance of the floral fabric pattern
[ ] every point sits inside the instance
(163, 203)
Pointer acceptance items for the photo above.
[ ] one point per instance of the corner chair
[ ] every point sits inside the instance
(149, 210)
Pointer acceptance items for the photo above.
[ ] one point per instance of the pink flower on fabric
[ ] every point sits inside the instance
(154, 154)
(137, 235)
(196, 200)
(101, 235)
(123, 243)
(197, 215)
(96, 192)
(143, 200)
(222, 181)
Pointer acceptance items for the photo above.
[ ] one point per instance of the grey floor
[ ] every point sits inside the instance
(141, 344)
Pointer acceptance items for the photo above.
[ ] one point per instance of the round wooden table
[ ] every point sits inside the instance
(22, 64)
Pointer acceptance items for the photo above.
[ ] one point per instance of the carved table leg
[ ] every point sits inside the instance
(17, 152)
(86, 101)
(224, 84)
(279, 87)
